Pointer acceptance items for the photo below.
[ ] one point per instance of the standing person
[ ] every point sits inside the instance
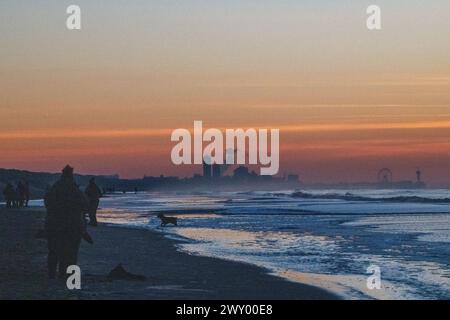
(94, 194)
(9, 194)
(27, 192)
(64, 224)
(16, 198)
(20, 194)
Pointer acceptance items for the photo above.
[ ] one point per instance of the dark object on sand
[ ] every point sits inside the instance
(41, 234)
(167, 220)
(119, 273)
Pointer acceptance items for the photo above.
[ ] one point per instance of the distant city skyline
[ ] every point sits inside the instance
(347, 101)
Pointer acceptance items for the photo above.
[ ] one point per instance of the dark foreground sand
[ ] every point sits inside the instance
(170, 274)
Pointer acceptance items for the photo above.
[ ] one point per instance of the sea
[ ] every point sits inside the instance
(359, 244)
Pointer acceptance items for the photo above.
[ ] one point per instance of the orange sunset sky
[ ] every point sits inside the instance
(347, 101)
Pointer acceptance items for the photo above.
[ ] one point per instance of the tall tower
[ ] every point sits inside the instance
(216, 170)
(207, 170)
(419, 176)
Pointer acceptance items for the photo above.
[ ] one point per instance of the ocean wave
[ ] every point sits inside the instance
(351, 197)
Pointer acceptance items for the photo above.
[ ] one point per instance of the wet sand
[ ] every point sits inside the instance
(170, 274)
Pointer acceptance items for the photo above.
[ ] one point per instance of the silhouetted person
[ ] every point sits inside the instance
(16, 198)
(64, 224)
(26, 192)
(9, 194)
(94, 194)
(20, 192)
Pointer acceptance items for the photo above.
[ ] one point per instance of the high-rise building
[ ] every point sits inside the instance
(216, 170)
(207, 171)
(419, 176)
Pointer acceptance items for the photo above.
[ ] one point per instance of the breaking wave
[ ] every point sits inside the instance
(352, 197)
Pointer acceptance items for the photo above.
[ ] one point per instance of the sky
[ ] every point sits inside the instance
(348, 101)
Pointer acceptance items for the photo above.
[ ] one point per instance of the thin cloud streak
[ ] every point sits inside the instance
(150, 132)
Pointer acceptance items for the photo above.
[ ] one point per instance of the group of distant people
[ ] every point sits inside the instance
(65, 223)
(17, 197)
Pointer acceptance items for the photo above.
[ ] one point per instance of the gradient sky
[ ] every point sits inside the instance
(347, 101)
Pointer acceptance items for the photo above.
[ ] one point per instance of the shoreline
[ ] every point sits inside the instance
(170, 273)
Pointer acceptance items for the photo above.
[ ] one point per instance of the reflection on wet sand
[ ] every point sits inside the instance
(349, 286)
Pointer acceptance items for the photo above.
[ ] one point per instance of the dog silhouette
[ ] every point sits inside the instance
(167, 220)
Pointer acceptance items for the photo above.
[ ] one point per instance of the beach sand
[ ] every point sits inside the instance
(170, 274)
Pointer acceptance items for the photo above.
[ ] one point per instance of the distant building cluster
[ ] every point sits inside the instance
(213, 177)
(212, 170)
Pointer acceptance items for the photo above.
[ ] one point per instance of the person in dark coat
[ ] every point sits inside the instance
(20, 192)
(26, 192)
(94, 194)
(64, 223)
(9, 193)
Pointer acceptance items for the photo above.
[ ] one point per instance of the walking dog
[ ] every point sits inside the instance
(167, 220)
